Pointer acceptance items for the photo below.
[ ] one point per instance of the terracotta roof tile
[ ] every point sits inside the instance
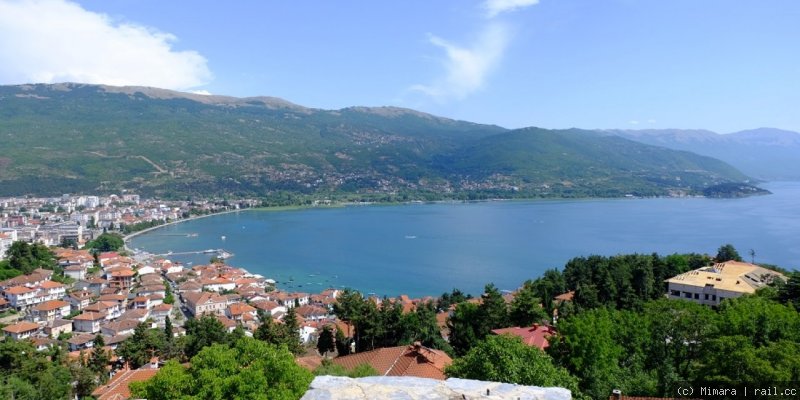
(412, 360)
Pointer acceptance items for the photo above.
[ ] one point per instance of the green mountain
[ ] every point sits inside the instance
(89, 138)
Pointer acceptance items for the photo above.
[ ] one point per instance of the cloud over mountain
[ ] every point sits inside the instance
(59, 41)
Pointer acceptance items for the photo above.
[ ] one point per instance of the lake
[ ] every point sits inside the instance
(427, 249)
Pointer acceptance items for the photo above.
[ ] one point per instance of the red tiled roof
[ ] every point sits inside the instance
(401, 361)
(240, 308)
(89, 316)
(117, 387)
(532, 336)
(565, 296)
(50, 285)
(18, 290)
(20, 327)
(51, 305)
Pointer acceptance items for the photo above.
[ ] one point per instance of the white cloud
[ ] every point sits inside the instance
(467, 67)
(633, 122)
(496, 7)
(45, 41)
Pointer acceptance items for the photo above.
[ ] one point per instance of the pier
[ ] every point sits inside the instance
(221, 253)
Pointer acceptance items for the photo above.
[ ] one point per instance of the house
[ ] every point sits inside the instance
(205, 303)
(168, 267)
(49, 310)
(43, 344)
(80, 300)
(94, 285)
(144, 270)
(76, 272)
(121, 327)
(120, 299)
(414, 360)
(272, 307)
(88, 321)
(307, 332)
(81, 342)
(149, 290)
(241, 312)
(4, 304)
(535, 335)
(140, 302)
(710, 285)
(111, 309)
(190, 287)
(160, 312)
(118, 387)
(57, 327)
(312, 313)
(140, 315)
(218, 284)
(229, 324)
(121, 278)
(21, 330)
(20, 297)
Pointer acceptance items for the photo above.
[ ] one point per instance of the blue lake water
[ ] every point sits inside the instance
(421, 249)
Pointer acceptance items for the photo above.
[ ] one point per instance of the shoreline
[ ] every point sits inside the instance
(128, 237)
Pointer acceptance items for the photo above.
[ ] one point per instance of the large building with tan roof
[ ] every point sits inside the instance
(710, 285)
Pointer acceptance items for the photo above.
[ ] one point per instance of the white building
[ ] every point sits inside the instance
(710, 285)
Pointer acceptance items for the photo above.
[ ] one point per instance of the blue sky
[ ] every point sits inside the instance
(719, 65)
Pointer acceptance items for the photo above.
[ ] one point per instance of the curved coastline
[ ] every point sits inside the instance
(126, 238)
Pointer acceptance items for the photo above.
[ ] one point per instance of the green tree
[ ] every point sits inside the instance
(526, 308)
(342, 343)
(325, 342)
(493, 309)
(465, 327)
(586, 347)
(142, 346)
(203, 332)
(106, 242)
(506, 358)
(249, 369)
(26, 257)
(727, 252)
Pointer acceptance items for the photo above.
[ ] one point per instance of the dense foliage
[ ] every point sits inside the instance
(246, 369)
(106, 242)
(506, 358)
(385, 325)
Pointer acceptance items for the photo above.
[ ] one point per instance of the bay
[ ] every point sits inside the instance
(427, 249)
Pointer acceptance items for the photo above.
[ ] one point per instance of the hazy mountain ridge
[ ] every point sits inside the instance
(77, 137)
(763, 153)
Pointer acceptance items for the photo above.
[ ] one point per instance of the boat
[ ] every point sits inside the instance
(222, 237)
(411, 237)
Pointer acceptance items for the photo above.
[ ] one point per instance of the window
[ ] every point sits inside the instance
(676, 293)
(697, 296)
(687, 295)
(706, 296)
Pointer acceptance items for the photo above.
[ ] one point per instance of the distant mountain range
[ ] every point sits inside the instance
(764, 153)
(74, 138)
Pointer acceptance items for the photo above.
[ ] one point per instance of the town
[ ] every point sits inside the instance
(77, 287)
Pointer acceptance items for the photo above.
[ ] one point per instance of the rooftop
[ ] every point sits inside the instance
(414, 360)
(733, 276)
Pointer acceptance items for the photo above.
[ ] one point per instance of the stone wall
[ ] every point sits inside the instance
(410, 388)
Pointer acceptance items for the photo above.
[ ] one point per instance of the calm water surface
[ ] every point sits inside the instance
(432, 248)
